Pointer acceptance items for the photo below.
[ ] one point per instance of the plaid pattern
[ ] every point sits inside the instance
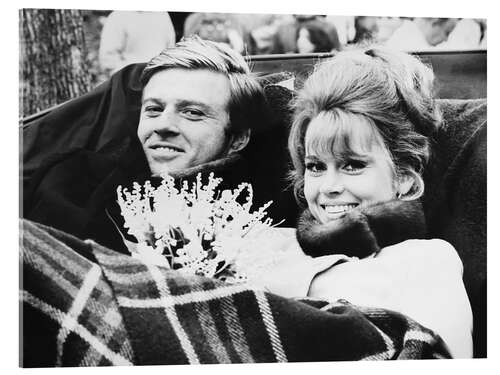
(86, 305)
(70, 315)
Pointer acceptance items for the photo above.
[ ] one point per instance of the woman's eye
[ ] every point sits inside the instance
(314, 167)
(354, 165)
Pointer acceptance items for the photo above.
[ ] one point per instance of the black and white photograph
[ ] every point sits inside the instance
(201, 186)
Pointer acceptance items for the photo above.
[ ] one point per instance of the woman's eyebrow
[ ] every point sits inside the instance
(354, 155)
(311, 157)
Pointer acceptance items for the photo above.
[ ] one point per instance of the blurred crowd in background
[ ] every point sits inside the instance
(119, 38)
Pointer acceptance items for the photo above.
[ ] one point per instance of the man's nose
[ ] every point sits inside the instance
(332, 183)
(167, 123)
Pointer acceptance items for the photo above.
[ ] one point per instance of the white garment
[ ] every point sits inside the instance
(484, 41)
(408, 37)
(131, 37)
(465, 35)
(421, 279)
(345, 27)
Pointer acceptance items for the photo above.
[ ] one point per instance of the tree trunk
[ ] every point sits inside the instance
(53, 58)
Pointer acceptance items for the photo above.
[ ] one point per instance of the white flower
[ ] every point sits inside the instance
(150, 255)
(197, 231)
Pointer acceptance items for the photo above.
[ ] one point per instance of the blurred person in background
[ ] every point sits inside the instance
(312, 37)
(133, 36)
(285, 40)
(216, 27)
(260, 31)
(386, 27)
(345, 27)
(421, 33)
(484, 28)
(467, 34)
(366, 30)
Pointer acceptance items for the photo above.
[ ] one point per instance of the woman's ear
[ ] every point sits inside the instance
(239, 141)
(405, 184)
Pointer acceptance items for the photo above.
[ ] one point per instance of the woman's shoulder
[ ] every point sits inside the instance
(434, 244)
(433, 252)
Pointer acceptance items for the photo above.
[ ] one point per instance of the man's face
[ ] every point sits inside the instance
(184, 119)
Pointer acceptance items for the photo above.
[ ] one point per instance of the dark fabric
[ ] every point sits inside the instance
(71, 192)
(86, 305)
(363, 230)
(102, 121)
(455, 198)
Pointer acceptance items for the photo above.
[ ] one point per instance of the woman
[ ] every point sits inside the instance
(359, 143)
(312, 36)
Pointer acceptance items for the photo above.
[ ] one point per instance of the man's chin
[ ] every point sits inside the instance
(166, 163)
(167, 168)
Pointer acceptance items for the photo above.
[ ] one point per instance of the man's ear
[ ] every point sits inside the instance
(239, 141)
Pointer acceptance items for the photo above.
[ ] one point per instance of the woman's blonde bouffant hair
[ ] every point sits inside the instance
(392, 90)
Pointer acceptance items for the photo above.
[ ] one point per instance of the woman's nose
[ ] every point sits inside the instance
(332, 183)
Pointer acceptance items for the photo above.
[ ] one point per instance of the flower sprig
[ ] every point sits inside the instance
(194, 228)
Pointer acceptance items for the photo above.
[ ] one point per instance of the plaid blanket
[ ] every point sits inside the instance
(86, 305)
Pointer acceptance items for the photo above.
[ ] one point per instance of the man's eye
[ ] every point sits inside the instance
(314, 167)
(354, 165)
(152, 109)
(193, 113)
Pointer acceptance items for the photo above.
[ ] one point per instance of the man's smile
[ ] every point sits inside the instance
(165, 146)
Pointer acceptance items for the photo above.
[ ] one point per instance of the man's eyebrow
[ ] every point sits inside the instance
(152, 99)
(182, 103)
(201, 105)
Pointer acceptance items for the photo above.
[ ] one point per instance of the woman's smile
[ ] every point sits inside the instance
(334, 211)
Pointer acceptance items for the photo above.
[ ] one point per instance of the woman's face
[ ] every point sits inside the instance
(336, 182)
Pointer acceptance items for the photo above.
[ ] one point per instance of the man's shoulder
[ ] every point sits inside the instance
(81, 162)
(77, 172)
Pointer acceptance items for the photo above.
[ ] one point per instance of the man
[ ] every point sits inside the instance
(182, 123)
(198, 108)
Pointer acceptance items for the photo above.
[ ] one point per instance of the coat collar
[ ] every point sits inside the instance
(362, 231)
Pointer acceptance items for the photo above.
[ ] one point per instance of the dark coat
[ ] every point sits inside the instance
(455, 198)
(364, 230)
